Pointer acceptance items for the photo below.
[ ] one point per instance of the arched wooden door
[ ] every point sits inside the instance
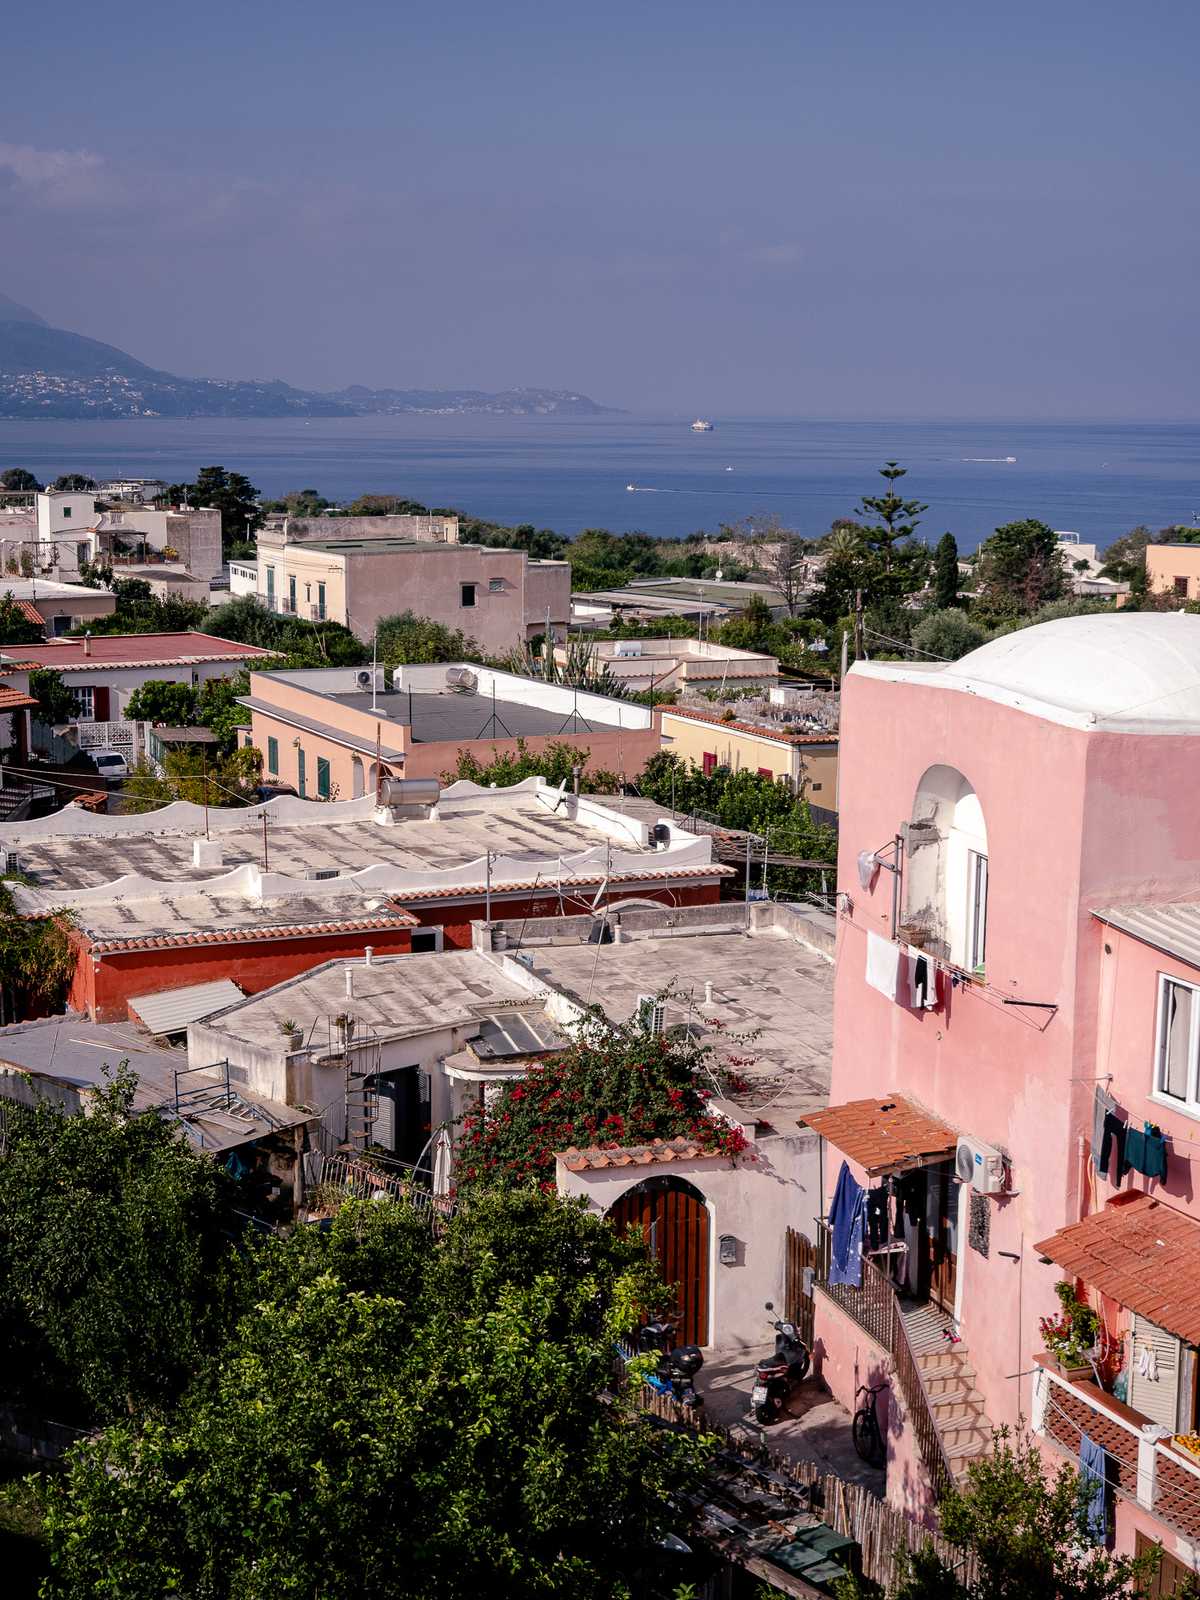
(674, 1218)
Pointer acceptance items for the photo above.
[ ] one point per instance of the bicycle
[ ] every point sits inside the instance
(864, 1429)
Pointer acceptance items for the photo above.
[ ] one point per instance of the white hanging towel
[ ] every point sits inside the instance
(922, 995)
(883, 965)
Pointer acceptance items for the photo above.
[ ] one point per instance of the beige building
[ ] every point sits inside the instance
(321, 731)
(1173, 569)
(666, 664)
(498, 598)
(807, 760)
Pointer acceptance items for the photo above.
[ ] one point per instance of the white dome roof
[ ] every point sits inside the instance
(1135, 672)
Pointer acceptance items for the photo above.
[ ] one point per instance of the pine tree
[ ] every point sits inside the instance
(945, 575)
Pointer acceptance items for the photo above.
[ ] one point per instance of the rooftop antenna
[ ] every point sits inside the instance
(374, 669)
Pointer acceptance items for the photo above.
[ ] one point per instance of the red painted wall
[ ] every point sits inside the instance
(103, 985)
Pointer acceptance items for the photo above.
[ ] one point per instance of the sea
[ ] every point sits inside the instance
(652, 473)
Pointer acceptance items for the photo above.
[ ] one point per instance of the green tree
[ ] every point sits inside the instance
(298, 643)
(1025, 1530)
(195, 775)
(77, 482)
(1018, 569)
(170, 704)
(948, 634)
(15, 626)
(407, 638)
(37, 960)
(555, 762)
(17, 480)
(234, 496)
(898, 518)
(55, 702)
(1125, 558)
(945, 573)
(112, 1235)
(218, 709)
(395, 1418)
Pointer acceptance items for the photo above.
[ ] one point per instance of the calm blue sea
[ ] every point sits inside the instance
(1096, 479)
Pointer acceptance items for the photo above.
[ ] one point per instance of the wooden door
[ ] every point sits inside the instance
(1171, 1575)
(674, 1219)
(941, 1215)
(799, 1269)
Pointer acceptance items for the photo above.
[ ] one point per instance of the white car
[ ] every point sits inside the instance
(110, 764)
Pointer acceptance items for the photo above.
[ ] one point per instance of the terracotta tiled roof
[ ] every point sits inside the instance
(549, 886)
(884, 1135)
(764, 731)
(1143, 1254)
(30, 612)
(660, 1152)
(174, 941)
(134, 650)
(14, 699)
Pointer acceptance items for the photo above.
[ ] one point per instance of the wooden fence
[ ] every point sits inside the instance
(800, 1264)
(882, 1531)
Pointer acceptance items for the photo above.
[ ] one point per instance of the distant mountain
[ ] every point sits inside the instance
(49, 372)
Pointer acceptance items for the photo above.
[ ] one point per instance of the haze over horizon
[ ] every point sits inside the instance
(764, 209)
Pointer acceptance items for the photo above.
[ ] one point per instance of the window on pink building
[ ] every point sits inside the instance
(1178, 1018)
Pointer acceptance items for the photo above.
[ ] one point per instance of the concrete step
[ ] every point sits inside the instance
(966, 1439)
(945, 1364)
(960, 1409)
(948, 1385)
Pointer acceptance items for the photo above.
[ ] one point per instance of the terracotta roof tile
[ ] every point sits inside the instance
(1140, 1252)
(30, 612)
(13, 699)
(597, 1157)
(283, 930)
(884, 1135)
(471, 891)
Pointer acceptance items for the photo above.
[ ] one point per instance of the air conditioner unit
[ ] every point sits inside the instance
(628, 649)
(364, 678)
(980, 1165)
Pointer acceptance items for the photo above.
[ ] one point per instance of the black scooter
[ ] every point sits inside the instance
(677, 1364)
(777, 1375)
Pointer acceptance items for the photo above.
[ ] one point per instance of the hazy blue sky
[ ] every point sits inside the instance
(854, 208)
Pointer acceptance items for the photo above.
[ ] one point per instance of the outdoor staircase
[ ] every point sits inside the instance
(362, 1111)
(962, 1424)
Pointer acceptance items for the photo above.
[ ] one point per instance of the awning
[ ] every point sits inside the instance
(171, 1010)
(1141, 1253)
(889, 1135)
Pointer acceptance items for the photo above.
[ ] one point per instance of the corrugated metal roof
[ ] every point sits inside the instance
(172, 1009)
(1173, 929)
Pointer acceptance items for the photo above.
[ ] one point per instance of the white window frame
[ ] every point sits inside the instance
(1190, 1103)
(85, 703)
(977, 910)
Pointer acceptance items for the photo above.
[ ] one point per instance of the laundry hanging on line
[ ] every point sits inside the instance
(847, 1220)
(1145, 1152)
(1103, 1105)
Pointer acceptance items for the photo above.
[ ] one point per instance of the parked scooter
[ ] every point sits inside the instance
(777, 1375)
(677, 1364)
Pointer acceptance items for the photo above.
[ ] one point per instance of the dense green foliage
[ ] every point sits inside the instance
(1023, 1529)
(406, 637)
(73, 482)
(945, 573)
(393, 1417)
(948, 634)
(616, 1084)
(15, 626)
(234, 496)
(555, 762)
(1019, 569)
(172, 705)
(213, 704)
(199, 776)
(55, 702)
(299, 643)
(138, 608)
(36, 961)
(18, 480)
(111, 1237)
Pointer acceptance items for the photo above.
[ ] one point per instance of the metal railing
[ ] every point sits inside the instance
(876, 1309)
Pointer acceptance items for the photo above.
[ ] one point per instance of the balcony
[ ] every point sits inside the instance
(1144, 1467)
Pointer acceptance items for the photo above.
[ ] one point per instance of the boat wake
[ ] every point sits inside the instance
(1002, 460)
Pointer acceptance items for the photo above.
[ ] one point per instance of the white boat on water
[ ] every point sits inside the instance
(700, 426)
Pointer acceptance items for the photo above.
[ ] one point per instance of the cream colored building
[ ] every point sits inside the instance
(1173, 569)
(665, 664)
(807, 760)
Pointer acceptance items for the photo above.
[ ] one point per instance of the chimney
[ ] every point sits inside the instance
(349, 983)
(87, 643)
(369, 954)
(708, 999)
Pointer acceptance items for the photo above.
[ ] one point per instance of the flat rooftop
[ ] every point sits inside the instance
(395, 996)
(764, 983)
(452, 718)
(76, 1054)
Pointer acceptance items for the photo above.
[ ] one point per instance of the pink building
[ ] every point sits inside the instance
(1019, 927)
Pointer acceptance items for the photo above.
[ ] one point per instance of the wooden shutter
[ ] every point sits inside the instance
(1158, 1400)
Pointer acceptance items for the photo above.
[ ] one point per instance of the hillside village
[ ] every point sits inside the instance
(712, 1027)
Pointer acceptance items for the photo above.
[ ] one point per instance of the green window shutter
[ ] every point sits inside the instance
(322, 778)
(273, 757)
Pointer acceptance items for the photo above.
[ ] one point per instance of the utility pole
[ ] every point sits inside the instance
(548, 647)
(266, 860)
(845, 652)
(858, 625)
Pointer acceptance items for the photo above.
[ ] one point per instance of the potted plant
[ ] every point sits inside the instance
(1071, 1336)
(291, 1033)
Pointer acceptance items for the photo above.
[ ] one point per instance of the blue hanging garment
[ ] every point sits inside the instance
(1093, 1467)
(847, 1218)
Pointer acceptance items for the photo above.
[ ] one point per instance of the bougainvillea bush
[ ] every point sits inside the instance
(614, 1085)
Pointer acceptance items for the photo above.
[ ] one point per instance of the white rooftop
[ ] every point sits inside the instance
(1127, 673)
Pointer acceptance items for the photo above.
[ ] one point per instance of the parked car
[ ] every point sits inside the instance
(110, 764)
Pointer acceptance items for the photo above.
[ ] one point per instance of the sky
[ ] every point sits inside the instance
(766, 207)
